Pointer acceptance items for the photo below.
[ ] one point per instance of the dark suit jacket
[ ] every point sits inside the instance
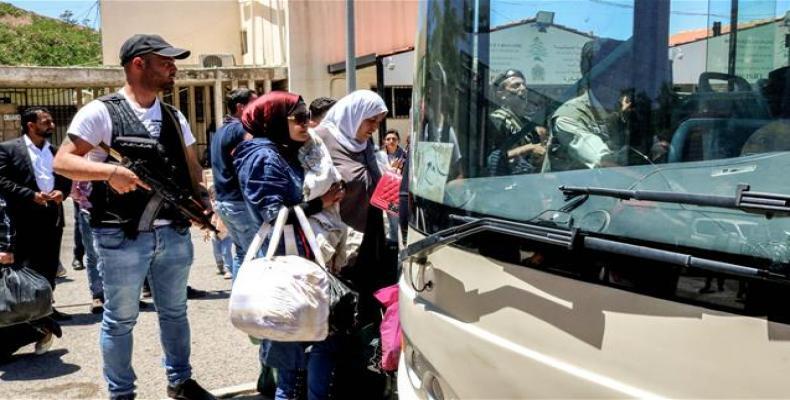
(18, 186)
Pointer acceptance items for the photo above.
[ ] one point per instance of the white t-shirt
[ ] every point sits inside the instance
(93, 124)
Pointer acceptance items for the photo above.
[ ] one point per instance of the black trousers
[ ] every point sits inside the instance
(14, 337)
(39, 250)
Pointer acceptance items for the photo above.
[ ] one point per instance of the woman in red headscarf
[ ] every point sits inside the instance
(271, 177)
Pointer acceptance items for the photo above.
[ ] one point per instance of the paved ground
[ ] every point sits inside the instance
(222, 357)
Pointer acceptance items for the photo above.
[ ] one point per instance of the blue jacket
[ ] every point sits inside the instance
(267, 180)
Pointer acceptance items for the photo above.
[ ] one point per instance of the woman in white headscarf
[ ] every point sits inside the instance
(346, 130)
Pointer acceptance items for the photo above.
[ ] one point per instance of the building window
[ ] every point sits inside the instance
(243, 42)
(398, 101)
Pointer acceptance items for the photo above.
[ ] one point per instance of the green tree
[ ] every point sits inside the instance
(31, 39)
(68, 17)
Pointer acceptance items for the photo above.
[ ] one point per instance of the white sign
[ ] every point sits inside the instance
(547, 55)
(431, 167)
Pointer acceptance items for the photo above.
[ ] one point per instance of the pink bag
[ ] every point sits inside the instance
(386, 194)
(390, 328)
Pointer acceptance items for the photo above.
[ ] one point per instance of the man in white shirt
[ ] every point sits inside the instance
(34, 193)
(136, 234)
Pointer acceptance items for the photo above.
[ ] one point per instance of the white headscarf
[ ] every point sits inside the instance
(345, 117)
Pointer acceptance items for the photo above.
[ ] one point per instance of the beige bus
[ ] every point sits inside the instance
(599, 201)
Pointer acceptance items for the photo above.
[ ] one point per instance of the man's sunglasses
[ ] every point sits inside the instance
(301, 118)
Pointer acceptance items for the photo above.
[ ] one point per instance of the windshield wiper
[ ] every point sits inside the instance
(471, 226)
(576, 240)
(744, 199)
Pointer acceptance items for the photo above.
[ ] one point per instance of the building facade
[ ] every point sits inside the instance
(302, 38)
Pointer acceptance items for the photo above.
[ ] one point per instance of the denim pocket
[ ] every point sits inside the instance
(109, 238)
(182, 230)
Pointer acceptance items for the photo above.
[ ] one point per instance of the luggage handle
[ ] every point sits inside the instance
(277, 231)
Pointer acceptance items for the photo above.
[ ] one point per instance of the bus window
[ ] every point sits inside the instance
(516, 99)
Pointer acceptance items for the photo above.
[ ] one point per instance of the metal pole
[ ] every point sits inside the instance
(733, 53)
(351, 57)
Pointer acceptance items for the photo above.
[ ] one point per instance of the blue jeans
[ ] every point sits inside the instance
(92, 261)
(320, 365)
(222, 252)
(164, 256)
(241, 227)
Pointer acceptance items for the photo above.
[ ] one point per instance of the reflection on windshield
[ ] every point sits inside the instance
(519, 98)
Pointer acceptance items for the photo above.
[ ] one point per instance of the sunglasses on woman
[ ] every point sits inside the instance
(301, 118)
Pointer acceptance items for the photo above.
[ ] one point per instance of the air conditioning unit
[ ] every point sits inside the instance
(217, 60)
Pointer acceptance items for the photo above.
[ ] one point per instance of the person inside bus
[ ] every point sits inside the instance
(774, 135)
(583, 127)
(517, 144)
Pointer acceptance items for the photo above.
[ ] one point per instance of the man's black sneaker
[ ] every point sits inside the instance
(129, 396)
(77, 264)
(189, 390)
(193, 293)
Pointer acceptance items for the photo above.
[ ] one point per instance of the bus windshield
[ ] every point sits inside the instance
(514, 99)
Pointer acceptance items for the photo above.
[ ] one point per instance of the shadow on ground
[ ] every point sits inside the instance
(29, 366)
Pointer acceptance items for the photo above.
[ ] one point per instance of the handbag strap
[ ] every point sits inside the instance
(257, 241)
(310, 236)
(276, 236)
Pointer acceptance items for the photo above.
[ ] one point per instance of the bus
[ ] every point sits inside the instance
(598, 205)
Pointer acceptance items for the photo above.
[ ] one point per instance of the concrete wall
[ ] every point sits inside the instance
(204, 27)
(264, 22)
(317, 39)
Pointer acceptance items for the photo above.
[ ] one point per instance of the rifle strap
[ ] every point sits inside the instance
(194, 185)
(150, 212)
(110, 152)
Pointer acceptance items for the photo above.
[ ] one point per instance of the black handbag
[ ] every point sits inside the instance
(24, 295)
(343, 306)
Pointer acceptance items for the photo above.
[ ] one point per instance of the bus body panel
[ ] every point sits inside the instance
(495, 330)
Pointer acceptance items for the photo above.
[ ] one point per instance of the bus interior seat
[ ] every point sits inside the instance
(717, 124)
(700, 139)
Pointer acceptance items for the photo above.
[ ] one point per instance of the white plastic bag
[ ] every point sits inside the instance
(283, 298)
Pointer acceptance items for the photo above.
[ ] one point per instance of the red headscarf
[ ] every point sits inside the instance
(267, 116)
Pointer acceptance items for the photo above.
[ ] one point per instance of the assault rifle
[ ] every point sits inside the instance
(145, 157)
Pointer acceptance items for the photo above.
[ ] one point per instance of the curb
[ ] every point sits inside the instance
(232, 391)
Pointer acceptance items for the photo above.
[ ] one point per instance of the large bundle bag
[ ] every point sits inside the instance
(282, 298)
(24, 295)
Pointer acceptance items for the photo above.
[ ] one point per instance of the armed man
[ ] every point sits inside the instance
(136, 233)
(516, 144)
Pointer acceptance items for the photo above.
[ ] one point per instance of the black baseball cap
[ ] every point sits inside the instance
(141, 44)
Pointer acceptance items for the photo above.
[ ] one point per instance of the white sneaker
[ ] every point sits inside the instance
(227, 275)
(61, 271)
(43, 345)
